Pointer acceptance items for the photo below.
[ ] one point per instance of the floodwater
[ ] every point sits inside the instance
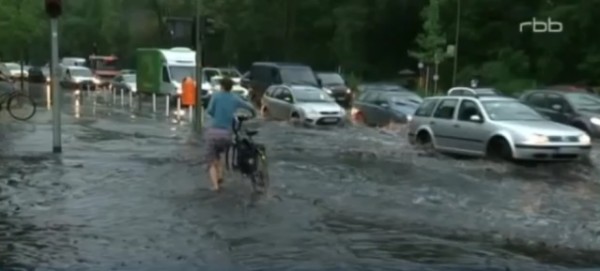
(130, 193)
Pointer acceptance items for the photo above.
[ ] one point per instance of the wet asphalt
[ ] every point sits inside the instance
(130, 192)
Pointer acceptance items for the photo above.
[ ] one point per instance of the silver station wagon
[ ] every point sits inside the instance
(493, 126)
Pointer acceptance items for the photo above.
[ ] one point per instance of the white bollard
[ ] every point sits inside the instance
(190, 112)
(88, 90)
(130, 100)
(153, 102)
(167, 104)
(122, 98)
(114, 94)
(178, 107)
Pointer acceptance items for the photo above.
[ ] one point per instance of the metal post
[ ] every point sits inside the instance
(198, 122)
(153, 102)
(436, 78)
(22, 81)
(56, 103)
(426, 80)
(114, 95)
(88, 90)
(130, 100)
(178, 107)
(456, 38)
(190, 112)
(167, 104)
(122, 98)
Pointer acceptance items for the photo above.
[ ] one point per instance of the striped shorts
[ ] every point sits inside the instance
(218, 142)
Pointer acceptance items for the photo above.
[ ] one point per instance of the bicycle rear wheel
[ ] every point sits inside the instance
(21, 106)
(260, 177)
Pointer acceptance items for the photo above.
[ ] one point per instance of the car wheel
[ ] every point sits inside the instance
(498, 149)
(265, 113)
(359, 117)
(295, 118)
(424, 140)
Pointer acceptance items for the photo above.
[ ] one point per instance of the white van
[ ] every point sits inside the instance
(178, 63)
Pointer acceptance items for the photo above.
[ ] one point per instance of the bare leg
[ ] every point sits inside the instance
(214, 175)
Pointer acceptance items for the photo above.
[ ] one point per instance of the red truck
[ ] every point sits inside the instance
(104, 67)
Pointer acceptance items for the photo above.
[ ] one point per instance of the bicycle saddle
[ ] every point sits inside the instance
(251, 132)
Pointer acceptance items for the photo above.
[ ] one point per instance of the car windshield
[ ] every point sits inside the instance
(130, 78)
(299, 76)
(584, 101)
(178, 73)
(311, 96)
(510, 110)
(331, 79)
(230, 73)
(81, 72)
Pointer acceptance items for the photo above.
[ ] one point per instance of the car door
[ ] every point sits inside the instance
(558, 108)
(367, 108)
(287, 102)
(272, 101)
(381, 112)
(442, 123)
(469, 136)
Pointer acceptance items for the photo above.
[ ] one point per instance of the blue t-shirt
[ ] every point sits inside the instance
(222, 108)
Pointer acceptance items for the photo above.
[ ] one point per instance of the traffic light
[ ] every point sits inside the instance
(53, 8)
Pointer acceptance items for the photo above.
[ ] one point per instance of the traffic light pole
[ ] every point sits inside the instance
(199, 120)
(56, 97)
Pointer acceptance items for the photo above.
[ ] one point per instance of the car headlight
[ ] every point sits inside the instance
(179, 90)
(96, 80)
(585, 139)
(348, 91)
(409, 117)
(327, 90)
(595, 121)
(536, 139)
(310, 112)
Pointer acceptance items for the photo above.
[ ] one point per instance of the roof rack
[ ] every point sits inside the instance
(461, 90)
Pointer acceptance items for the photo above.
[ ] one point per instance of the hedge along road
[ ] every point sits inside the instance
(130, 194)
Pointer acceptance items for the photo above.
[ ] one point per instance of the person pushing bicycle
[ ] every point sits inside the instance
(222, 108)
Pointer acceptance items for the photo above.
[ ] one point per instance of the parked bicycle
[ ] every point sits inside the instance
(18, 104)
(248, 157)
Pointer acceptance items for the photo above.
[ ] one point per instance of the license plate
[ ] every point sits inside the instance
(568, 150)
(330, 120)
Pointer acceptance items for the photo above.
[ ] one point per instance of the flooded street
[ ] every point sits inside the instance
(130, 193)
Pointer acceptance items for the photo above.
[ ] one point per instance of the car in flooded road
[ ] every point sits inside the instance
(380, 108)
(334, 84)
(78, 77)
(304, 104)
(497, 127)
(576, 108)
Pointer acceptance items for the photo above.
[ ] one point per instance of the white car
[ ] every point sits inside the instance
(215, 85)
(306, 104)
(79, 77)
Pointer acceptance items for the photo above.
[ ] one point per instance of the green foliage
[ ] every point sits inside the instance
(369, 39)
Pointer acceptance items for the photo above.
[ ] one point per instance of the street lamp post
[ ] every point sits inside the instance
(456, 38)
(420, 74)
(426, 79)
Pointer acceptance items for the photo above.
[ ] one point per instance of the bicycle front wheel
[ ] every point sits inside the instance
(260, 177)
(21, 107)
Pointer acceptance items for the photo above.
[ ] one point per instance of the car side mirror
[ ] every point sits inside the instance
(557, 107)
(475, 118)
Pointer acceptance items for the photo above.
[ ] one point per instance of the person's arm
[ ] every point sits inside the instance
(211, 106)
(246, 105)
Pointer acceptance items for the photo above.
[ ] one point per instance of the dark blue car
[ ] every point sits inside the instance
(381, 108)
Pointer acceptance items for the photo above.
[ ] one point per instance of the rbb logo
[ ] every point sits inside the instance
(53, 8)
(547, 26)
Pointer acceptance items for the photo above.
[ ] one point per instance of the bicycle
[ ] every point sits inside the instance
(19, 105)
(248, 157)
